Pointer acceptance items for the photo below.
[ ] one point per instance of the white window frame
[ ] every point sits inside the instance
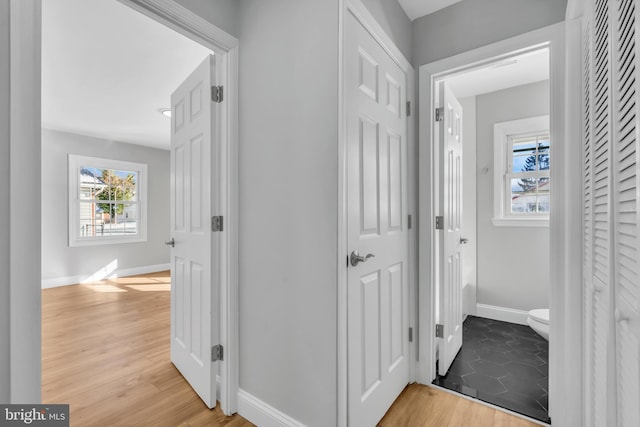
(75, 164)
(502, 142)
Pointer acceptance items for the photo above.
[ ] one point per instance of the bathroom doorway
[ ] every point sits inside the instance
(494, 159)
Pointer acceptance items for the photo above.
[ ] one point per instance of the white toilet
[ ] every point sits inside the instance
(539, 321)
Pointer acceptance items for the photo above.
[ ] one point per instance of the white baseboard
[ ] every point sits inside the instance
(502, 313)
(262, 414)
(84, 278)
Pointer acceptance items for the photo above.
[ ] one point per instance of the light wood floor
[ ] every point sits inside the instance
(423, 406)
(105, 351)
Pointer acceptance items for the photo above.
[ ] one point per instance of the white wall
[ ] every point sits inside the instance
(221, 13)
(20, 327)
(61, 261)
(393, 21)
(470, 24)
(4, 207)
(288, 155)
(513, 262)
(469, 209)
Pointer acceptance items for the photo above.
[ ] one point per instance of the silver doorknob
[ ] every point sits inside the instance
(464, 241)
(171, 243)
(356, 258)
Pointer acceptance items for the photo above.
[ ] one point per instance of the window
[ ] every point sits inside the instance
(522, 184)
(107, 201)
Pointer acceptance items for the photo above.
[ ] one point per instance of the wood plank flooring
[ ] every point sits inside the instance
(105, 351)
(423, 406)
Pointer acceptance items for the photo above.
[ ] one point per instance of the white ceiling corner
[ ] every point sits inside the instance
(107, 70)
(417, 8)
(530, 67)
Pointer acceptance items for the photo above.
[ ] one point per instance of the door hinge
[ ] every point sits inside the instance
(410, 334)
(408, 108)
(439, 223)
(216, 223)
(439, 331)
(439, 114)
(217, 353)
(217, 93)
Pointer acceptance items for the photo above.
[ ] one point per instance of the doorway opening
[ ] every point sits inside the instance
(485, 263)
(191, 37)
(498, 248)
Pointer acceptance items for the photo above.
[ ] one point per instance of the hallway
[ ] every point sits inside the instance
(105, 352)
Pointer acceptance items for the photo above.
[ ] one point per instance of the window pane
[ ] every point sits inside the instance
(519, 163)
(544, 202)
(524, 146)
(123, 220)
(544, 195)
(543, 155)
(89, 220)
(523, 195)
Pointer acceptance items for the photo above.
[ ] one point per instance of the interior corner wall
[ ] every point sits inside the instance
(61, 261)
(394, 21)
(470, 24)
(288, 206)
(469, 205)
(221, 13)
(513, 262)
(4, 207)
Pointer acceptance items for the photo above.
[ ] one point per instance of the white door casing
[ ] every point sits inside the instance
(450, 237)
(377, 294)
(195, 283)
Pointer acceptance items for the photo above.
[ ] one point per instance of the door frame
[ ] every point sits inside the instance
(225, 47)
(565, 221)
(358, 9)
(25, 30)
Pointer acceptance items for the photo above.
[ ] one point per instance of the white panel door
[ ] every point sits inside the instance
(450, 268)
(194, 291)
(378, 362)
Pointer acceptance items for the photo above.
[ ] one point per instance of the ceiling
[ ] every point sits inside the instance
(108, 70)
(417, 8)
(527, 68)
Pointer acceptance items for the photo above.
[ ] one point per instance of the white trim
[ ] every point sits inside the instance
(25, 27)
(504, 314)
(102, 274)
(77, 162)
(182, 20)
(501, 133)
(566, 303)
(225, 46)
(261, 413)
(520, 222)
(552, 36)
(360, 12)
(24, 235)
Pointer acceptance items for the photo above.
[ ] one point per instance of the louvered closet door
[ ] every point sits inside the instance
(625, 214)
(598, 292)
(611, 220)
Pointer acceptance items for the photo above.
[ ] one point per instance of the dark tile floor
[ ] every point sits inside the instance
(504, 364)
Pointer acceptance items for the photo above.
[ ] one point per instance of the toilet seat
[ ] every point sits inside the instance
(540, 315)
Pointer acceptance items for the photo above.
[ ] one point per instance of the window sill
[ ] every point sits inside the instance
(520, 222)
(106, 241)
